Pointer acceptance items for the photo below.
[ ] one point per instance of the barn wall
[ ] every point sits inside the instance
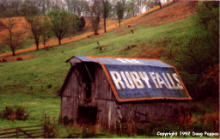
(155, 111)
(105, 100)
(71, 96)
(111, 113)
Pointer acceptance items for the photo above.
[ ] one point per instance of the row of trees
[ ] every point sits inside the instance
(79, 7)
(90, 8)
(47, 18)
(111, 8)
(58, 23)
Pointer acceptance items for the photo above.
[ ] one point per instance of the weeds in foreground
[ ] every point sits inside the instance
(14, 113)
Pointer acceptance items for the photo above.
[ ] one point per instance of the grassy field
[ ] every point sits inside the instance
(35, 83)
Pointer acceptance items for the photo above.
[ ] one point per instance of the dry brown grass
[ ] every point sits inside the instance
(146, 51)
(177, 11)
(17, 58)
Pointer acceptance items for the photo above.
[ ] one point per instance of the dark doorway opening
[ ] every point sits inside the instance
(88, 91)
(87, 115)
(88, 75)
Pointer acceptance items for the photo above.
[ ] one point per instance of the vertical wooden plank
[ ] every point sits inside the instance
(17, 133)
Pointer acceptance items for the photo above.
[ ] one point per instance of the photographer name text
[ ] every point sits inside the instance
(188, 133)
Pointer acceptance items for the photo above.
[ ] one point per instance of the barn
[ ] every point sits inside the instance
(110, 91)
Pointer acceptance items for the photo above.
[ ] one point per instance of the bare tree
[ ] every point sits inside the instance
(95, 11)
(106, 7)
(77, 7)
(34, 21)
(1, 26)
(43, 5)
(57, 4)
(13, 38)
(120, 9)
(131, 8)
(158, 2)
(151, 3)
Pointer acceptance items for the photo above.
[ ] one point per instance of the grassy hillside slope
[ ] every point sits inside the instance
(34, 83)
(164, 15)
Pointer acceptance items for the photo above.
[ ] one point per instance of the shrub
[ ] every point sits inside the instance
(50, 130)
(7, 112)
(21, 113)
(198, 51)
(67, 121)
(82, 23)
(14, 113)
(19, 58)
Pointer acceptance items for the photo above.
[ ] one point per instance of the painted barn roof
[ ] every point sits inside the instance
(135, 79)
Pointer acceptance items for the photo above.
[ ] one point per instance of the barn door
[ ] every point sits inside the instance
(87, 115)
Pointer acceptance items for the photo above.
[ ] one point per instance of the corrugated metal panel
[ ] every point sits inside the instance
(132, 62)
(84, 58)
(141, 79)
(146, 82)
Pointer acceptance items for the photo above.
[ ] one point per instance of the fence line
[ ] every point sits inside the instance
(21, 132)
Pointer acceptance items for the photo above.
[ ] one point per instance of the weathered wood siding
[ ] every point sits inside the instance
(71, 96)
(110, 112)
(153, 111)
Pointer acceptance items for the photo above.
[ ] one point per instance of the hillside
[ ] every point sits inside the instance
(35, 82)
(21, 25)
(42, 76)
(168, 14)
(113, 25)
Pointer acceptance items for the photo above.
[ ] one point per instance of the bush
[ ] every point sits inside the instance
(14, 113)
(50, 130)
(19, 58)
(82, 23)
(21, 113)
(7, 112)
(198, 51)
(67, 121)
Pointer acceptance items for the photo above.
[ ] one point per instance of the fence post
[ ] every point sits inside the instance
(17, 133)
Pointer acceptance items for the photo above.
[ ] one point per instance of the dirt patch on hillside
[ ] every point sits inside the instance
(20, 26)
(175, 12)
(17, 58)
(150, 51)
(122, 31)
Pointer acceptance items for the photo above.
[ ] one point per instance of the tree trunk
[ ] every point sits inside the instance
(96, 32)
(59, 40)
(160, 5)
(44, 44)
(37, 45)
(36, 39)
(13, 51)
(105, 24)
